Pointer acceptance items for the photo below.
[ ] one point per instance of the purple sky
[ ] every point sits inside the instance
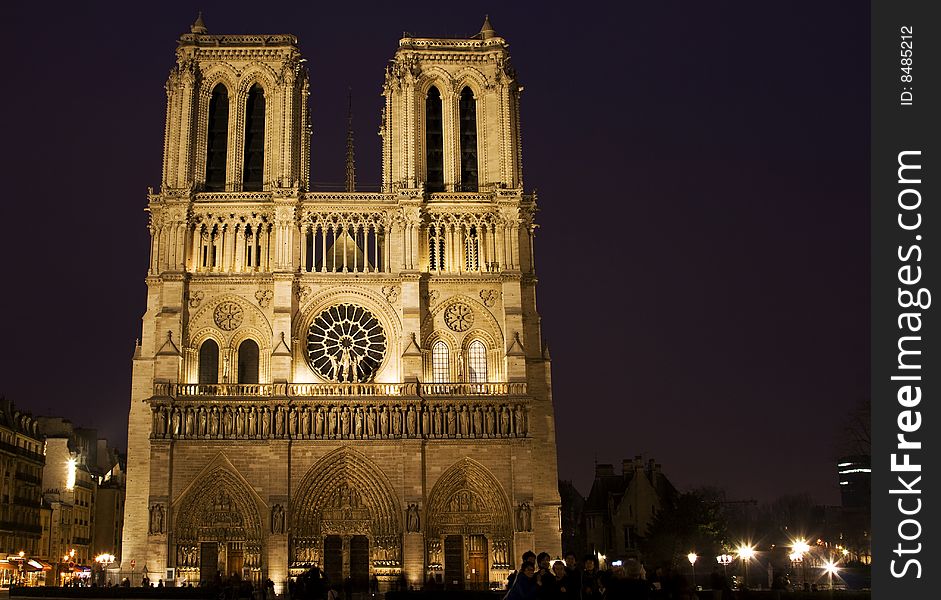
(702, 171)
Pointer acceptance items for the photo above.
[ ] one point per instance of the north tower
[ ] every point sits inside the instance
(355, 381)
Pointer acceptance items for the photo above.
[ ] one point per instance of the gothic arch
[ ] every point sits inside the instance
(472, 78)
(259, 73)
(438, 77)
(467, 498)
(344, 493)
(218, 506)
(434, 321)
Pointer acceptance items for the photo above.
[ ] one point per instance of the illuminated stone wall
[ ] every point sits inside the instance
(350, 418)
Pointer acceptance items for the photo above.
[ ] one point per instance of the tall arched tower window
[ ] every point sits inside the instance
(209, 362)
(440, 364)
(468, 111)
(434, 142)
(217, 139)
(477, 362)
(436, 246)
(248, 362)
(253, 171)
(472, 250)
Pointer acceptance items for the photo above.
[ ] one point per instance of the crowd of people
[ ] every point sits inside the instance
(538, 578)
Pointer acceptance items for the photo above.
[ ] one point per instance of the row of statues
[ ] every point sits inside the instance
(339, 422)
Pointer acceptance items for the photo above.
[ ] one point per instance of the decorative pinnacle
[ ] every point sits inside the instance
(198, 26)
(486, 30)
(350, 161)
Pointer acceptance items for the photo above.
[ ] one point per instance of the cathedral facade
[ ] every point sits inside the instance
(354, 381)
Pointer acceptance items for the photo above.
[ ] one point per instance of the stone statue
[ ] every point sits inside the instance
(412, 518)
(410, 424)
(318, 423)
(277, 519)
(524, 518)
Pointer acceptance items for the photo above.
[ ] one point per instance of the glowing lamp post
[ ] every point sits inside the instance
(831, 570)
(799, 549)
(691, 557)
(725, 560)
(745, 553)
(104, 562)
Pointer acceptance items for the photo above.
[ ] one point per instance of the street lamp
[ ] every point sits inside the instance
(691, 557)
(745, 553)
(831, 569)
(799, 549)
(725, 560)
(104, 561)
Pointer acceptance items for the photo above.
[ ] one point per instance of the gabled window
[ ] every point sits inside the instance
(468, 115)
(434, 142)
(253, 171)
(217, 139)
(209, 362)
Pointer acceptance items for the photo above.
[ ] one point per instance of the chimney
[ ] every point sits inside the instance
(606, 470)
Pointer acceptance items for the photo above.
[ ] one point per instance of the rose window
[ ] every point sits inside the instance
(459, 317)
(228, 315)
(346, 343)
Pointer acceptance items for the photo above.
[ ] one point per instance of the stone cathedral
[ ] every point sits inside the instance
(348, 380)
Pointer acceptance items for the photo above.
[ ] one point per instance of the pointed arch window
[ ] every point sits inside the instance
(217, 139)
(248, 362)
(209, 362)
(440, 363)
(254, 168)
(472, 250)
(434, 142)
(436, 245)
(468, 115)
(477, 362)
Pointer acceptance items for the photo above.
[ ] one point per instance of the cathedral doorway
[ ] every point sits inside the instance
(478, 572)
(234, 559)
(333, 558)
(359, 563)
(208, 562)
(454, 562)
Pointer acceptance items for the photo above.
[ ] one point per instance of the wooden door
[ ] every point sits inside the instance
(477, 568)
(208, 561)
(454, 562)
(333, 559)
(359, 563)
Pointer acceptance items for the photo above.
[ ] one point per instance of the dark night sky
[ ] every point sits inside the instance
(702, 171)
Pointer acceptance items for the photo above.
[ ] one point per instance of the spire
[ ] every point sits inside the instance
(198, 26)
(486, 30)
(350, 163)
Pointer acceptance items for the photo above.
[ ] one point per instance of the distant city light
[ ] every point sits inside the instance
(70, 476)
(801, 546)
(691, 557)
(745, 552)
(830, 567)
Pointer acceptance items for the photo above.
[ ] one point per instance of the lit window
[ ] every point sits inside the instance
(477, 362)
(441, 371)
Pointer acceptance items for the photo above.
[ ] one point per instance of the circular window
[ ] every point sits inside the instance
(346, 343)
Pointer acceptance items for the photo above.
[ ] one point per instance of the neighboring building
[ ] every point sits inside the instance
(855, 478)
(21, 468)
(620, 506)
(350, 380)
(573, 508)
(83, 487)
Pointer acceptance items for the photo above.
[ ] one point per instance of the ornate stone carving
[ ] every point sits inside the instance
(264, 298)
(391, 293)
(228, 315)
(433, 296)
(459, 317)
(195, 298)
(303, 293)
(489, 297)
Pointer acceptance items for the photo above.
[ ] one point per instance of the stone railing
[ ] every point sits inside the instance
(327, 390)
(341, 418)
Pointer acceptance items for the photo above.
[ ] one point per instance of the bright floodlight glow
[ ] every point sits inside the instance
(795, 556)
(801, 547)
(830, 567)
(691, 557)
(745, 552)
(70, 474)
